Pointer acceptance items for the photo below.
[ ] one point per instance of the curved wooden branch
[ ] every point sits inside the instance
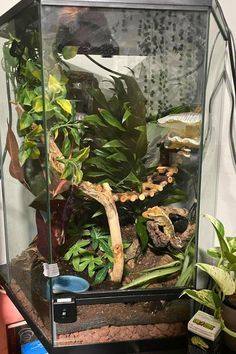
(103, 194)
(105, 197)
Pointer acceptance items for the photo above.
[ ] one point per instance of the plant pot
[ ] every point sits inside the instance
(229, 316)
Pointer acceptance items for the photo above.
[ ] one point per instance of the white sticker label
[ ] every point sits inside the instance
(50, 270)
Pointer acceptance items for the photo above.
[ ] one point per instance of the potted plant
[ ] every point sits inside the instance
(221, 297)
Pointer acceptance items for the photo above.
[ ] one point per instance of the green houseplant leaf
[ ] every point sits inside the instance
(221, 277)
(204, 297)
(224, 245)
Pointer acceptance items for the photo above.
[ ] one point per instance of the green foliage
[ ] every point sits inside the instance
(182, 265)
(223, 274)
(187, 259)
(50, 111)
(221, 277)
(101, 241)
(69, 52)
(204, 297)
(117, 133)
(83, 256)
(93, 252)
(160, 272)
(141, 230)
(78, 249)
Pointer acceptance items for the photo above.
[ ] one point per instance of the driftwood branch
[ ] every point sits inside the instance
(105, 197)
(103, 194)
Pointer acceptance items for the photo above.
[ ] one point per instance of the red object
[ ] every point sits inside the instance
(8, 315)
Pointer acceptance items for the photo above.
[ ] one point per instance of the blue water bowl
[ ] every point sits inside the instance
(67, 284)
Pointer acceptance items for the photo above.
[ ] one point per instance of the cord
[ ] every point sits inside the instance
(232, 92)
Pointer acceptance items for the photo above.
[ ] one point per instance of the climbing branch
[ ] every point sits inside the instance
(105, 197)
(103, 194)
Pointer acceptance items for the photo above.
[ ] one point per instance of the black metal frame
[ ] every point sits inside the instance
(158, 346)
(154, 4)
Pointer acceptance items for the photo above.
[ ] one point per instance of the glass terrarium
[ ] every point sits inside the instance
(111, 117)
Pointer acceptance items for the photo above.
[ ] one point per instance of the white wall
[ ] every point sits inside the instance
(4, 6)
(227, 179)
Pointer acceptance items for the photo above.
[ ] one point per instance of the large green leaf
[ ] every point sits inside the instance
(136, 99)
(118, 156)
(65, 105)
(132, 179)
(108, 117)
(151, 276)
(83, 154)
(76, 135)
(232, 243)
(141, 229)
(101, 274)
(100, 163)
(224, 245)
(221, 277)
(185, 277)
(78, 176)
(214, 252)
(127, 113)
(54, 86)
(26, 120)
(35, 153)
(94, 119)
(141, 146)
(69, 52)
(163, 266)
(116, 143)
(204, 297)
(119, 87)
(24, 154)
(38, 104)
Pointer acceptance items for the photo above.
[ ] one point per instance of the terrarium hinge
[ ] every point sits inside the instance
(65, 310)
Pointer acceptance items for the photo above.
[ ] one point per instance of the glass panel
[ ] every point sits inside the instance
(23, 158)
(112, 78)
(212, 131)
(139, 321)
(123, 102)
(108, 126)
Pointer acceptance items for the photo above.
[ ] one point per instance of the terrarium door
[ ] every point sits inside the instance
(123, 102)
(123, 106)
